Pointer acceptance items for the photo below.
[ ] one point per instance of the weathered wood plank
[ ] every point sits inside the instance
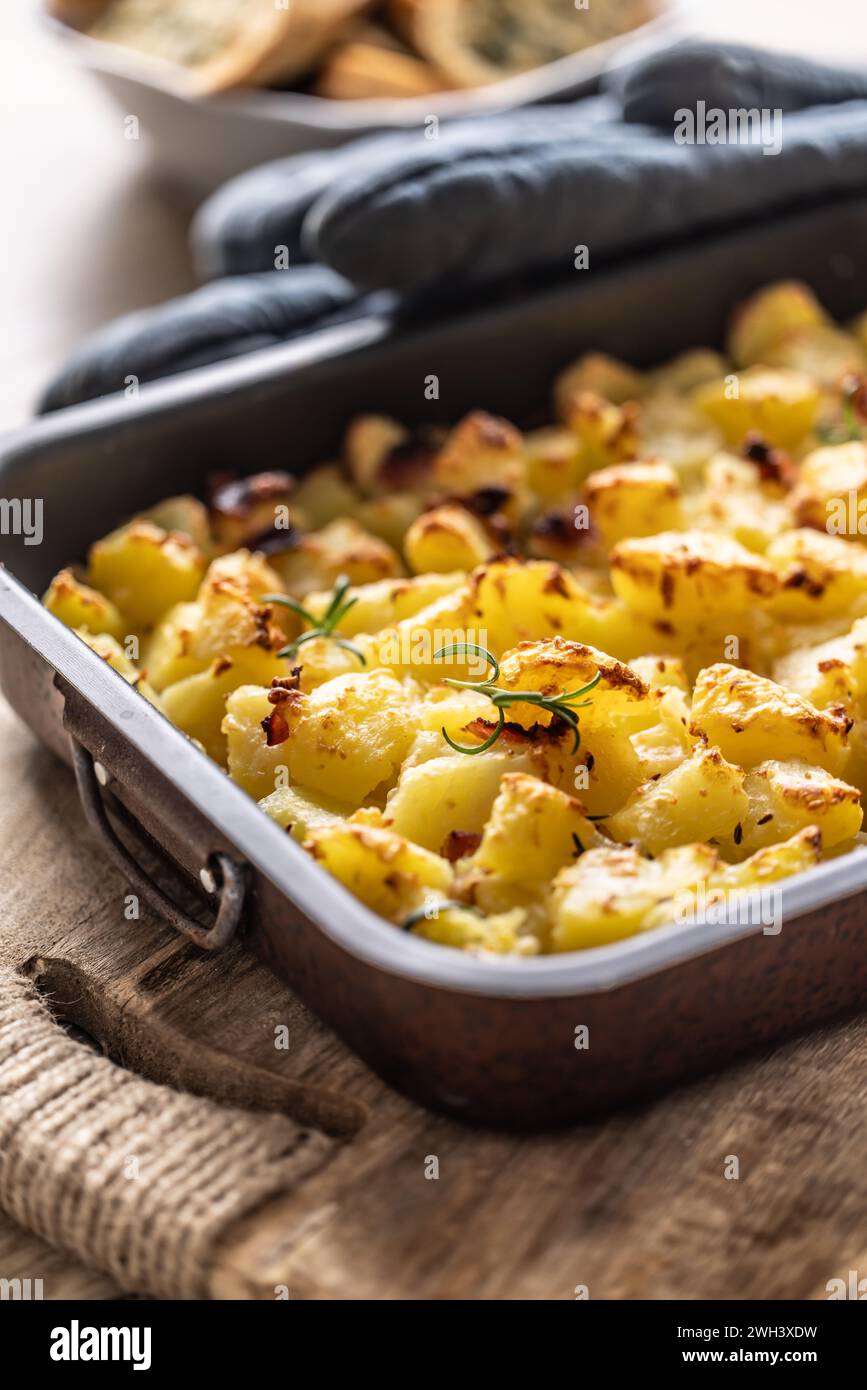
(636, 1206)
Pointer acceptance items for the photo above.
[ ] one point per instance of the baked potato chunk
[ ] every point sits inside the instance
(227, 622)
(745, 715)
(510, 602)
(778, 404)
(533, 830)
(832, 491)
(145, 571)
(443, 795)
(79, 606)
(445, 539)
(299, 811)
(602, 376)
(533, 693)
(552, 456)
(768, 317)
(833, 673)
(738, 503)
(821, 575)
(345, 739)
(197, 705)
(787, 797)
(820, 351)
(390, 875)
(318, 559)
(690, 575)
(607, 894)
(703, 796)
(385, 602)
(633, 499)
(606, 433)
(481, 452)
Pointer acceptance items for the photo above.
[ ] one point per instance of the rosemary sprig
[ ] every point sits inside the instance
(337, 609)
(560, 705)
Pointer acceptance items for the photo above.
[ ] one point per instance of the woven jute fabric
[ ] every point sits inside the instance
(133, 1178)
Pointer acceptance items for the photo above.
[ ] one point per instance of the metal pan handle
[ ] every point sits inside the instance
(221, 875)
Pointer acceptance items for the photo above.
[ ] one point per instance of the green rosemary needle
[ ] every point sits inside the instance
(560, 705)
(338, 607)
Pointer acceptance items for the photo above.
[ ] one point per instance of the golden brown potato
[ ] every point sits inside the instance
(145, 570)
(746, 715)
(779, 404)
(533, 693)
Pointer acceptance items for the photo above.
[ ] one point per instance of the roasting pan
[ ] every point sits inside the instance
(492, 1041)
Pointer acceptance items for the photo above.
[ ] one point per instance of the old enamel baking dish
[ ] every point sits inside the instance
(490, 1040)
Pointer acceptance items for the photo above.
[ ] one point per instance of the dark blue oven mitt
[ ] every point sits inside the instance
(728, 75)
(225, 319)
(514, 192)
(490, 200)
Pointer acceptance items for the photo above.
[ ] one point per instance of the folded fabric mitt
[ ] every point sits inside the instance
(728, 75)
(239, 228)
(489, 200)
(219, 321)
(516, 192)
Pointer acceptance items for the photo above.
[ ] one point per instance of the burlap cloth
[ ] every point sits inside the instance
(133, 1178)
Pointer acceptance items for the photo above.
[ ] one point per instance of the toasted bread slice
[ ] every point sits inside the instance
(359, 70)
(223, 43)
(475, 42)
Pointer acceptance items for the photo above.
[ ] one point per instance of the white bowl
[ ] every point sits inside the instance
(199, 142)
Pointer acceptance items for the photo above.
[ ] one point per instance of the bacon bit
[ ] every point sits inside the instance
(774, 465)
(275, 540)
(486, 501)
(276, 728)
(282, 687)
(459, 843)
(238, 496)
(554, 536)
(557, 526)
(537, 733)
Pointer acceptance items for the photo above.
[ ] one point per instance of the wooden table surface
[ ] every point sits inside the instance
(637, 1206)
